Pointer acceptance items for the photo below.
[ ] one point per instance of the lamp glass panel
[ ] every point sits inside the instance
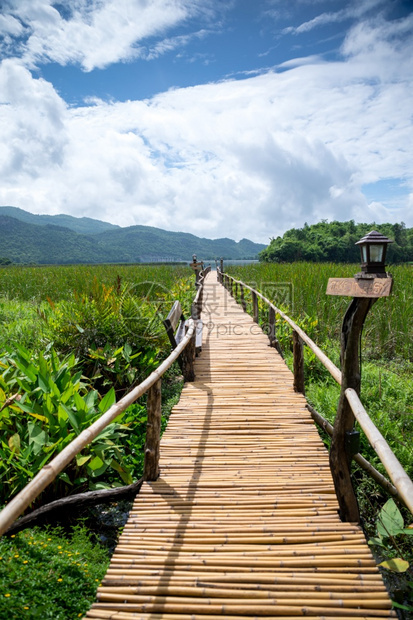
(363, 253)
(376, 253)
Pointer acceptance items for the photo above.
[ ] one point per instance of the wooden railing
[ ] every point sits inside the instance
(402, 487)
(151, 385)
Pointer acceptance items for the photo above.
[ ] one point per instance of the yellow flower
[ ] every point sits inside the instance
(13, 536)
(7, 595)
(26, 607)
(17, 555)
(59, 546)
(25, 561)
(60, 580)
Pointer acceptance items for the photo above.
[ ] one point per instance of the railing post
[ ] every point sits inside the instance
(243, 304)
(188, 357)
(153, 432)
(254, 306)
(298, 354)
(236, 291)
(340, 456)
(271, 331)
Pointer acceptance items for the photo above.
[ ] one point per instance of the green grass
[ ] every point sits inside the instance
(58, 283)
(388, 331)
(49, 573)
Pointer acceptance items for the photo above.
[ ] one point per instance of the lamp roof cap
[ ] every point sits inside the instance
(374, 237)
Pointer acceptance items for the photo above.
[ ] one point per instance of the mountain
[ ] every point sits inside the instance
(82, 225)
(23, 241)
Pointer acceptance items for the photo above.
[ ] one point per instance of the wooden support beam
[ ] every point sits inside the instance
(255, 313)
(188, 357)
(272, 332)
(340, 460)
(153, 432)
(298, 354)
(243, 303)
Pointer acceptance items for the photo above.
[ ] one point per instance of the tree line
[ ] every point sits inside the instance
(335, 242)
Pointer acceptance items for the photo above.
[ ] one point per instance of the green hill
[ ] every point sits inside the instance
(23, 241)
(82, 225)
(335, 242)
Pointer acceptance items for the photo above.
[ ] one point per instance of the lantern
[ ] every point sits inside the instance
(373, 249)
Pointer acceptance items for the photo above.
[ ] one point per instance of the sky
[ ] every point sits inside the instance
(222, 118)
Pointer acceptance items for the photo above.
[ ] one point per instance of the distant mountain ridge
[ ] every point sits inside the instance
(64, 239)
(82, 225)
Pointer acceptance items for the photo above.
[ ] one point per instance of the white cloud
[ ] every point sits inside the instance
(355, 9)
(93, 33)
(241, 158)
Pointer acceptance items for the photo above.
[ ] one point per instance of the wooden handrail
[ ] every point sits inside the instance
(392, 465)
(402, 483)
(332, 368)
(49, 472)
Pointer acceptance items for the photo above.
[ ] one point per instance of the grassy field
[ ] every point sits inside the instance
(388, 332)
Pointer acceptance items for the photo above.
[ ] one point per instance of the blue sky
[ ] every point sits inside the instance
(238, 118)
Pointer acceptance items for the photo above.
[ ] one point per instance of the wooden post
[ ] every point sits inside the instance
(243, 304)
(271, 325)
(271, 331)
(222, 265)
(236, 291)
(188, 356)
(340, 458)
(298, 354)
(153, 432)
(254, 306)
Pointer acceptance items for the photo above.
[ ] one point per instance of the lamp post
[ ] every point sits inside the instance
(365, 288)
(373, 248)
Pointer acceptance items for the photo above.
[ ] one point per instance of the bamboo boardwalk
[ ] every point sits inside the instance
(242, 521)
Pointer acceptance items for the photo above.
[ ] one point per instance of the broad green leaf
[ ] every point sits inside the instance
(91, 399)
(127, 350)
(36, 434)
(107, 401)
(63, 476)
(396, 565)
(390, 521)
(376, 541)
(42, 418)
(27, 369)
(99, 485)
(72, 417)
(97, 466)
(81, 460)
(43, 383)
(79, 402)
(122, 471)
(14, 443)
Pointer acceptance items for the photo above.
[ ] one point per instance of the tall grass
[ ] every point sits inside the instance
(388, 331)
(61, 282)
